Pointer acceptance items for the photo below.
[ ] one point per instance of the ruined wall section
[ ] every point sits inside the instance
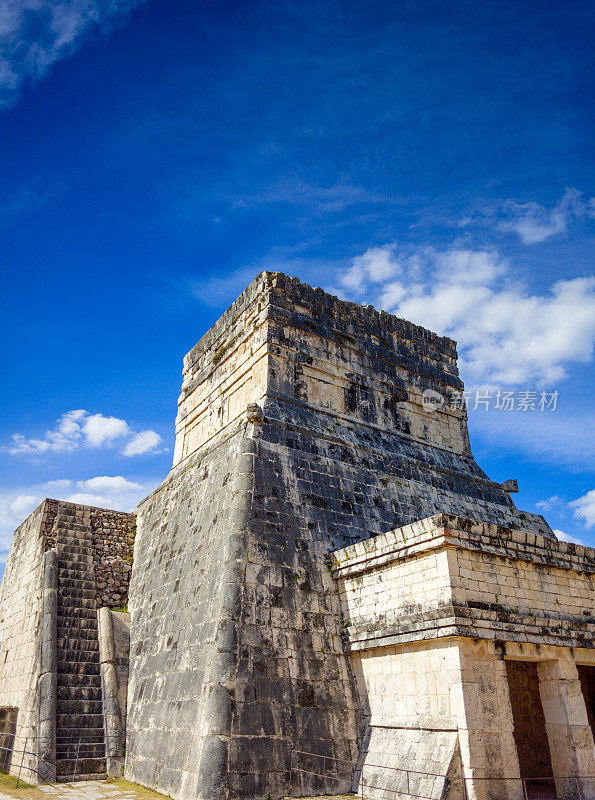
(345, 391)
(20, 610)
(113, 547)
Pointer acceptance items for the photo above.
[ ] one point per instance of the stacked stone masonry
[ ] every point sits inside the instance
(237, 636)
(113, 546)
(325, 570)
(437, 614)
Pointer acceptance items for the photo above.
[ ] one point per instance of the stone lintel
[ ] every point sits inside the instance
(448, 576)
(447, 530)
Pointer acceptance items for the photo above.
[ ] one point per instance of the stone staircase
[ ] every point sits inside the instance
(80, 747)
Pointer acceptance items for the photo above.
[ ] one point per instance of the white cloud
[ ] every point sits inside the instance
(534, 223)
(376, 265)
(77, 428)
(34, 34)
(506, 335)
(584, 508)
(143, 442)
(106, 483)
(100, 430)
(23, 505)
(552, 502)
(565, 537)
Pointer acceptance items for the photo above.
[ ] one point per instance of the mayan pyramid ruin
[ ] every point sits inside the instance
(326, 594)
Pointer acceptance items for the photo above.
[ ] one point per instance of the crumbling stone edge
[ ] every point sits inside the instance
(47, 680)
(112, 719)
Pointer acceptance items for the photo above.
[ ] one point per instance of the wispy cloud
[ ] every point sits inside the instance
(34, 34)
(219, 290)
(143, 442)
(551, 502)
(506, 335)
(532, 222)
(319, 199)
(78, 428)
(535, 223)
(27, 199)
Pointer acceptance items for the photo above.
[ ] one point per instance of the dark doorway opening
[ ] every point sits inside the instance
(586, 676)
(8, 728)
(530, 735)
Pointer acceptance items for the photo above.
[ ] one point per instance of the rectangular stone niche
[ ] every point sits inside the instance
(8, 727)
(530, 734)
(586, 674)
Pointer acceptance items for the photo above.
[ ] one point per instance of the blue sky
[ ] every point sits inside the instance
(432, 158)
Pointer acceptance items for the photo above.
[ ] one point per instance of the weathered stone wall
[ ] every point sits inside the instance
(236, 655)
(20, 610)
(236, 630)
(113, 545)
(347, 383)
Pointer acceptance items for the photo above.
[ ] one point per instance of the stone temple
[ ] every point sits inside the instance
(325, 595)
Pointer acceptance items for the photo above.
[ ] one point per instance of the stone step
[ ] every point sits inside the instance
(84, 769)
(68, 585)
(100, 776)
(85, 750)
(78, 575)
(87, 612)
(79, 706)
(87, 735)
(78, 657)
(78, 622)
(71, 667)
(66, 593)
(72, 534)
(75, 643)
(74, 720)
(75, 560)
(70, 645)
(77, 635)
(71, 681)
(85, 693)
(70, 548)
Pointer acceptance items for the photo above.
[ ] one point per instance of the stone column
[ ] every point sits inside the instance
(488, 750)
(112, 719)
(47, 692)
(568, 730)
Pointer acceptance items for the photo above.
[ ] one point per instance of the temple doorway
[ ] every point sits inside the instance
(530, 734)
